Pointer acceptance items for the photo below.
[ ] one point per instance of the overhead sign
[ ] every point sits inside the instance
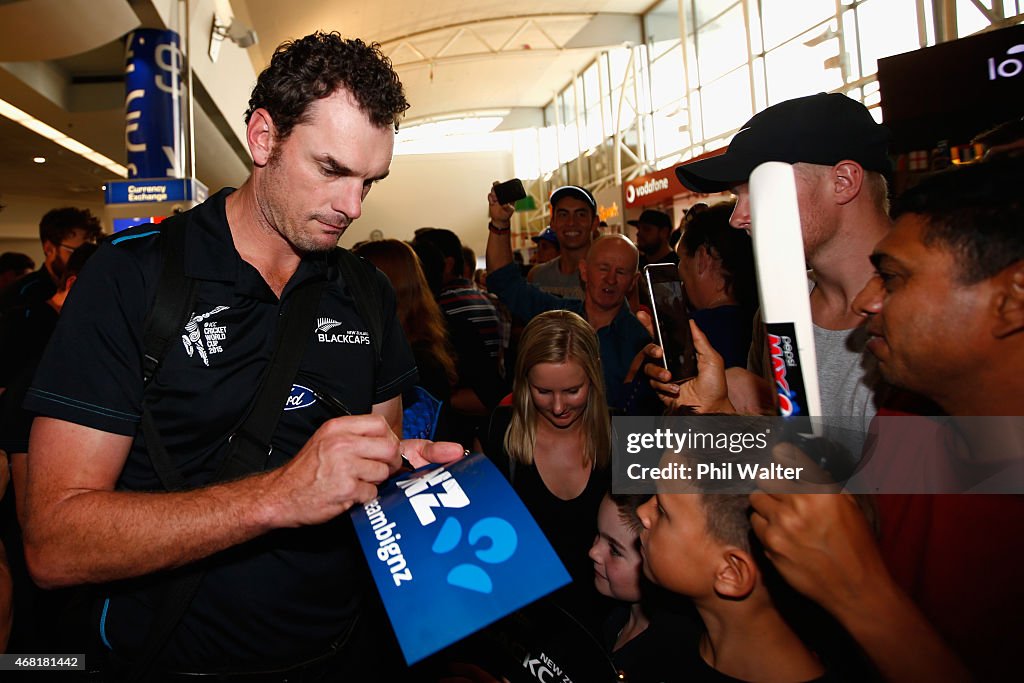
(653, 188)
(141, 191)
(153, 131)
(452, 549)
(954, 90)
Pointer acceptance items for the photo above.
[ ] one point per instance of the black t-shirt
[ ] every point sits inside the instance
(694, 669)
(569, 525)
(25, 334)
(285, 596)
(34, 288)
(650, 657)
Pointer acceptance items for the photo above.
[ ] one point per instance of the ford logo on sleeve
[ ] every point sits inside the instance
(301, 397)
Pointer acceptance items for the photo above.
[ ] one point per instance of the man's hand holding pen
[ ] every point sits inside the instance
(342, 464)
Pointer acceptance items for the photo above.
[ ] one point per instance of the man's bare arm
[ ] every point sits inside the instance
(78, 529)
(822, 545)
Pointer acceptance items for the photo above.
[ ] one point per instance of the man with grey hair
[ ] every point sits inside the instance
(609, 272)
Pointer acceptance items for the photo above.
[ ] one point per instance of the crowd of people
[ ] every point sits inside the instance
(166, 517)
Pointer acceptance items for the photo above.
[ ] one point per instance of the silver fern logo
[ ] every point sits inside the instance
(326, 324)
(327, 332)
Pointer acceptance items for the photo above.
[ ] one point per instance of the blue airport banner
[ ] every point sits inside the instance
(146, 190)
(153, 89)
(453, 549)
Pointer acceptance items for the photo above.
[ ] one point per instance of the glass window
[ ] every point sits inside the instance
(726, 103)
(722, 45)
(885, 29)
(707, 10)
(591, 94)
(796, 69)
(667, 78)
(783, 19)
(661, 27)
(969, 19)
(670, 128)
(618, 60)
(568, 142)
(547, 139)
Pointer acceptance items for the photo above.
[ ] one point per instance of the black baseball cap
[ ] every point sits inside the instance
(656, 218)
(580, 193)
(818, 129)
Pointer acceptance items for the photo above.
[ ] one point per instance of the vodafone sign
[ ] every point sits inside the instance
(653, 188)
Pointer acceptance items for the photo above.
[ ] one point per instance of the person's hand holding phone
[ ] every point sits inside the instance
(500, 201)
(708, 392)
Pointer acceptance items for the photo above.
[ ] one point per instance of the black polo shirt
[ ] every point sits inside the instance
(285, 596)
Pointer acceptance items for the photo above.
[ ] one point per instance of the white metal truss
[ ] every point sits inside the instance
(486, 38)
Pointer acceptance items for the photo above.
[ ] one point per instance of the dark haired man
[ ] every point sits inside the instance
(283, 579)
(652, 232)
(14, 266)
(61, 231)
(474, 329)
(574, 220)
(945, 318)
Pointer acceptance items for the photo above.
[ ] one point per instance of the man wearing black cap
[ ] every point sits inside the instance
(839, 156)
(547, 246)
(652, 232)
(574, 220)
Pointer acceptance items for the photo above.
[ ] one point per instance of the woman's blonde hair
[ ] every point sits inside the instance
(418, 314)
(558, 337)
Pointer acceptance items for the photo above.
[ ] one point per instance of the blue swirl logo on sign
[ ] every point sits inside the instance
(502, 543)
(458, 544)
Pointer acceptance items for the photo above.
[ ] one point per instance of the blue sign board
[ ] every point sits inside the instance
(153, 132)
(452, 549)
(143, 191)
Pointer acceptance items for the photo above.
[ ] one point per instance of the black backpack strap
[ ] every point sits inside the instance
(250, 448)
(175, 297)
(361, 277)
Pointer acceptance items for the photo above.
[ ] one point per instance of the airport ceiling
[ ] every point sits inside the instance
(455, 57)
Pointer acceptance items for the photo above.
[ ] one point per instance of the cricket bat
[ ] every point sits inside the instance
(782, 281)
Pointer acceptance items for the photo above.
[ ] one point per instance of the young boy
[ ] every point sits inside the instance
(698, 545)
(641, 639)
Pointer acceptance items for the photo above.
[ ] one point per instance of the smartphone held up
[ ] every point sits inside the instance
(671, 319)
(510, 191)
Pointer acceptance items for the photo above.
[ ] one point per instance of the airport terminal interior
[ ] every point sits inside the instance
(861, 333)
(599, 93)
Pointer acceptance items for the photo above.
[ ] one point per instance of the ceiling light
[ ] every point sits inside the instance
(39, 160)
(50, 133)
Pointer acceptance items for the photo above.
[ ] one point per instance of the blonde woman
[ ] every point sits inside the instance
(554, 444)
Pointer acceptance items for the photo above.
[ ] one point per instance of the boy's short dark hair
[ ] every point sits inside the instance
(58, 224)
(314, 67)
(727, 518)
